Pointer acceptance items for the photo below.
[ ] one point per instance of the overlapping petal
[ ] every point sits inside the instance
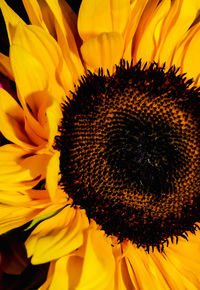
(96, 17)
(46, 51)
(19, 169)
(137, 8)
(12, 122)
(34, 12)
(179, 19)
(48, 242)
(103, 51)
(91, 267)
(146, 36)
(35, 123)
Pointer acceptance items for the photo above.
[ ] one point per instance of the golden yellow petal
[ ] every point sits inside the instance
(34, 12)
(143, 271)
(53, 115)
(31, 81)
(104, 50)
(19, 170)
(185, 258)
(145, 42)
(96, 17)
(91, 16)
(65, 26)
(173, 277)
(99, 264)
(120, 13)
(5, 67)
(11, 19)
(44, 48)
(181, 53)
(14, 198)
(64, 273)
(57, 236)
(59, 280)
(30, 76)
(13, 217)
(122, 276)
(177, 22)
(137, 9)
(53, 174)
(12, 123)
(191, 60)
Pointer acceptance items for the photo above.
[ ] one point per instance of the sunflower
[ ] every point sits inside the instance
(101, 134)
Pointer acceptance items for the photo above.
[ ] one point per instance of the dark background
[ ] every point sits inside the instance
(18, 7)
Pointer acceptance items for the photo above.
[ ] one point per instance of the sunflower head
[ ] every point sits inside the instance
(129, 152)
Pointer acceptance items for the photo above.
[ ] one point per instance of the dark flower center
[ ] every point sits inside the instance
(129, 147)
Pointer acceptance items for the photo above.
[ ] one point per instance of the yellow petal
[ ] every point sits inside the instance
(65, 26)
(172, 274)
(120, 13)
(12, 123)
(18, 170)
(31, 81)
(96, 17)
(14, 198)
(64, 273)
(43, 47)
(185, 258)
(5, 67)
(14, 217)
(57, 236)
(145, 41)
(191, 61)
(29, 74)
(137, 9)
(177, 22)
(11, 19)
(53, 114)
(99, 265)
(122, 276)
(34, 12)
(53, 175)
(143, 271)
(104, 50)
